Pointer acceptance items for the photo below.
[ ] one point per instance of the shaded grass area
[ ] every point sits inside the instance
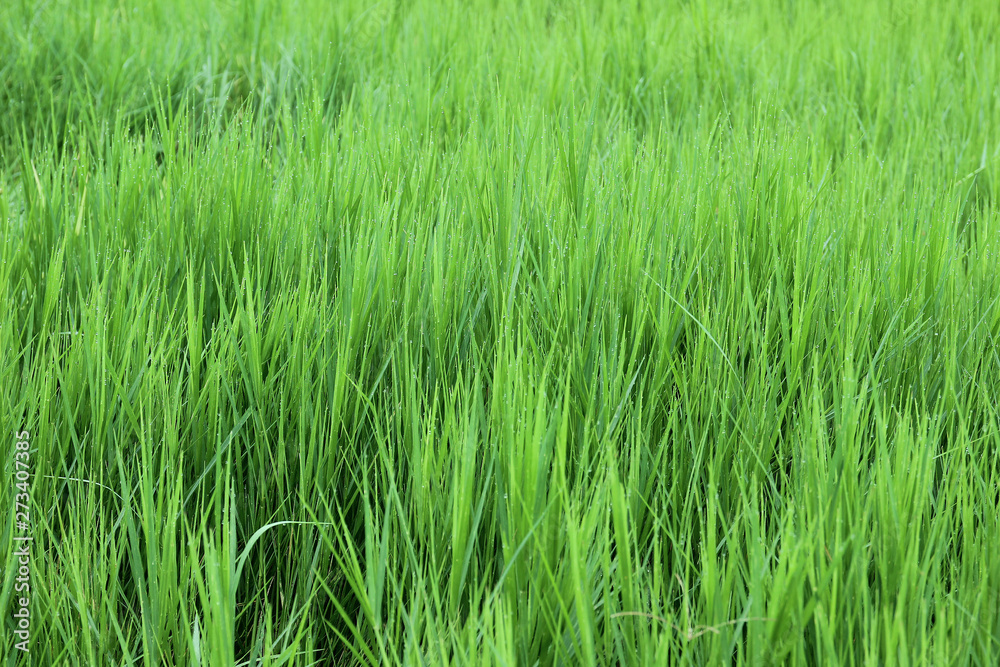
(437, 333)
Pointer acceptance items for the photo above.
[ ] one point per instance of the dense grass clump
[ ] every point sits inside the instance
(500, 333)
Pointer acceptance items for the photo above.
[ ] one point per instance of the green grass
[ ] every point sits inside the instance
(487, 333)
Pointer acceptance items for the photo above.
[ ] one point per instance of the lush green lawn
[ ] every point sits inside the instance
(428, 333)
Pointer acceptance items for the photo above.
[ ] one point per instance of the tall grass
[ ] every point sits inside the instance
(503, 333)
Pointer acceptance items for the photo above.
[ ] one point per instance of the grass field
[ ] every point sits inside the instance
(501, 333)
